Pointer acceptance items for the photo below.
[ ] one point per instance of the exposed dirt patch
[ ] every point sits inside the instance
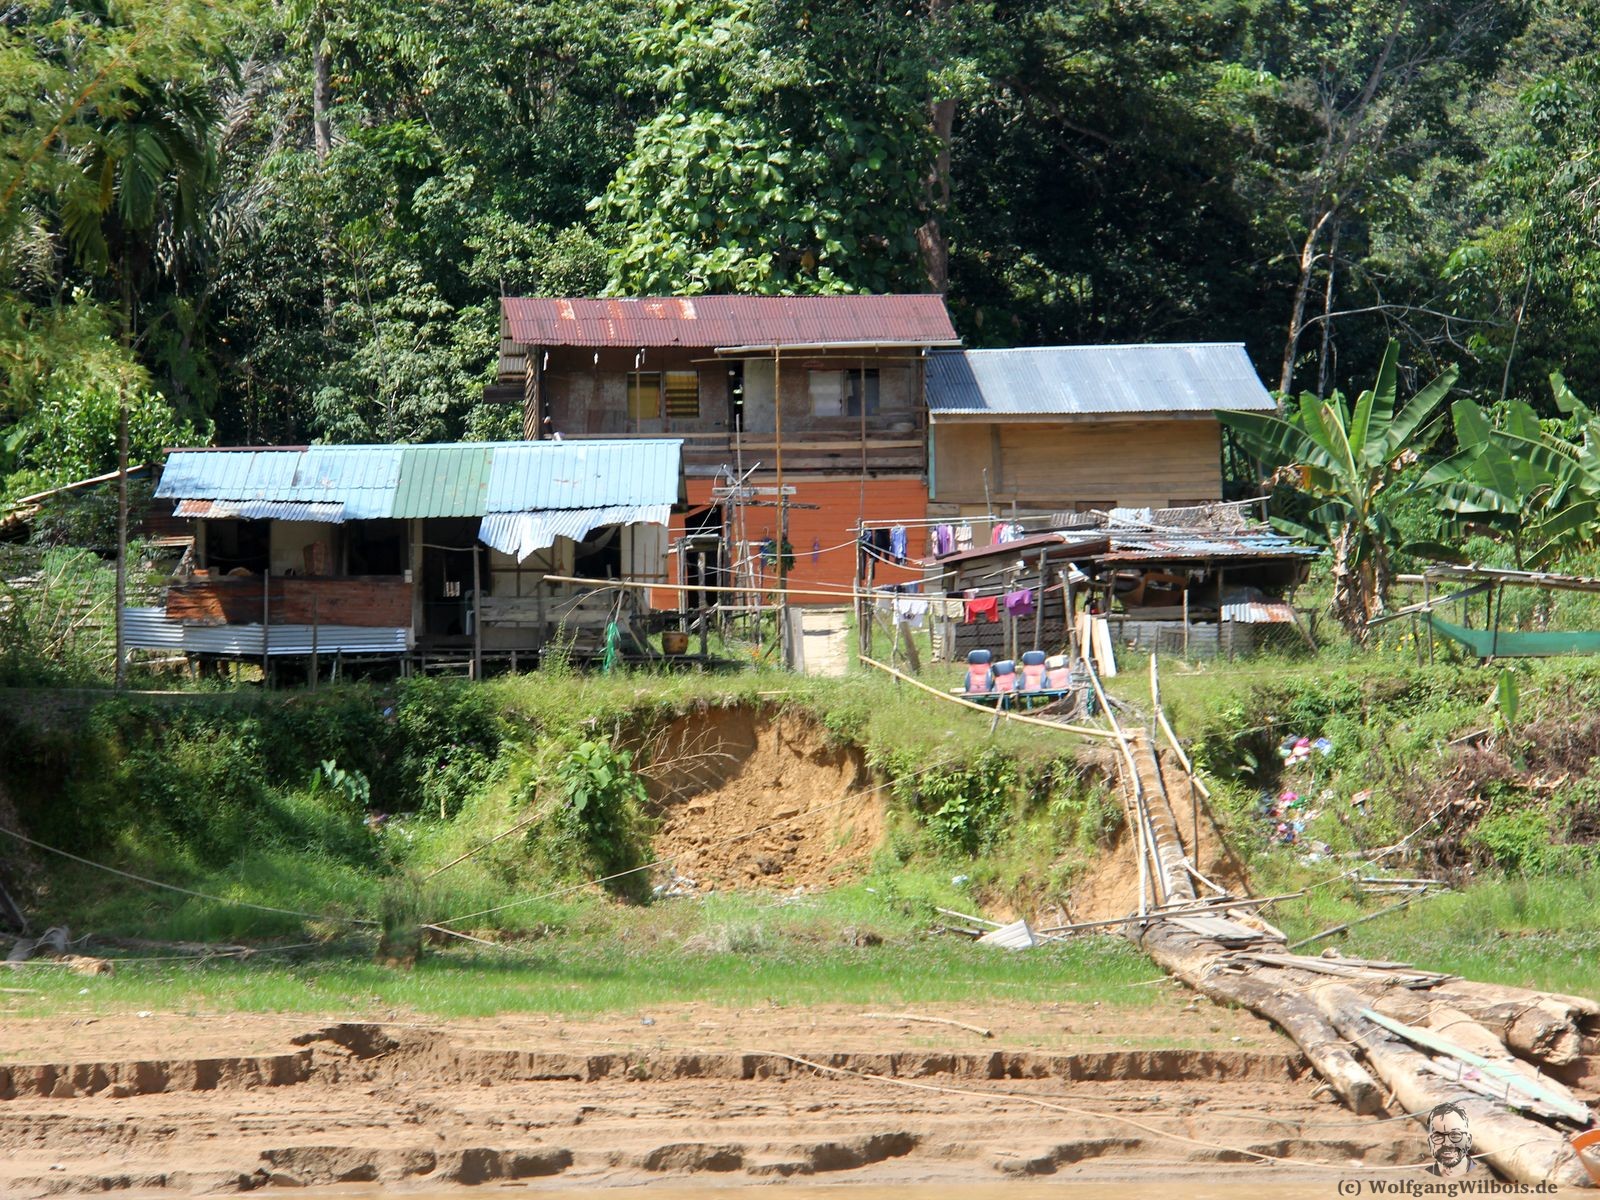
(710, 1092)
(1110, 888)
(735, 770)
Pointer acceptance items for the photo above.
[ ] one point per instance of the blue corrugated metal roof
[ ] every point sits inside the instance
(362, 478)
(1073, 380)
(229, 474)
(456, 480)
(584, 474)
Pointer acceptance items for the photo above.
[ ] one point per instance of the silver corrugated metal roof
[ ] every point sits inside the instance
(1073, 380)
(455, 480)
(524, 533)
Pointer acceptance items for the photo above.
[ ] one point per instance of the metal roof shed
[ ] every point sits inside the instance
(1063, 382)
(526, 493)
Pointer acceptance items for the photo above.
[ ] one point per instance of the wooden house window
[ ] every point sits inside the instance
(683, 393)
(841, 393)
(644, 396)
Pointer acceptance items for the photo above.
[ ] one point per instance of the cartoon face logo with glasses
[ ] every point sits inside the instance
(1450, 1139)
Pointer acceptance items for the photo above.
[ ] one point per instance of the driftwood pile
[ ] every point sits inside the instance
(1383, 1035)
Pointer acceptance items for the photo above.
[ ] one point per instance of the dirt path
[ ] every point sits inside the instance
(191, 1104)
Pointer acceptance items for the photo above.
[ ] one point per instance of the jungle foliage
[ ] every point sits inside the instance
(283, 220)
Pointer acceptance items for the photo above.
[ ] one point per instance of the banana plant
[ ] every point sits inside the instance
(1343, 457)
(1533, 487)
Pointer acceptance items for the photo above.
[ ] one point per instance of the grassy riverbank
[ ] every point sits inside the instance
(453, 803)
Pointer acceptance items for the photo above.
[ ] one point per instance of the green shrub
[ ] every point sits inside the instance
(964, 808)
(599, 828)
(1517, 841)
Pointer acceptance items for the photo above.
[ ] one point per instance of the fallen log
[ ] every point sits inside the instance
(1538, 1029)
(1480, 1040)
(1195, 961)
(1521, 1150)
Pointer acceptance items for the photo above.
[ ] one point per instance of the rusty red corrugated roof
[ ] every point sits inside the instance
(712, 321)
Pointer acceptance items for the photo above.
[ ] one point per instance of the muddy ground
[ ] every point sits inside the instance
(188, 1104)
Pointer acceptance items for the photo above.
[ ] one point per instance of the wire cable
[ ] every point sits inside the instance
(172, 887)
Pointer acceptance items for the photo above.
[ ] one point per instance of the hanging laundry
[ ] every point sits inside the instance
(985, 608)
(911, 611)
(944, 540)
(964, 536)
(816, 550)
(1020, 602)
(897, 543)
(997, 533)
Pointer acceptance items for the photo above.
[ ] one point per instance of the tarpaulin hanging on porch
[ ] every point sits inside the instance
(526, 533)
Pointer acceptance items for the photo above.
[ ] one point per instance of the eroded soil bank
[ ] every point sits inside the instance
(749, 797)
(189, 1104)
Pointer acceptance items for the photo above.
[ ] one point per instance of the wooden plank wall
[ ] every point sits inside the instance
(371, 602)
(840, 502)
(1064, 465)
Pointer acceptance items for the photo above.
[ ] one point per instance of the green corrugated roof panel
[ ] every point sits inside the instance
(443, 481)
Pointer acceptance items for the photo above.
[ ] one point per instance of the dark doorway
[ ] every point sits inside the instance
(448, 544)
(736, 396)
(599, 556)
(376, 547)
(703, 564)
(237, 545)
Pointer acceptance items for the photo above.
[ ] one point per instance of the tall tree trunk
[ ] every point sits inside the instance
(1302, 290)
(321, 95)
(1323, 371)
(322, 131)
(936, 187)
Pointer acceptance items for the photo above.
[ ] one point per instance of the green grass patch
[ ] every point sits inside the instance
(870, 944)
(1540, 932)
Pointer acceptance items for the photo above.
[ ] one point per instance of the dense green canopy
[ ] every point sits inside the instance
(280, 220)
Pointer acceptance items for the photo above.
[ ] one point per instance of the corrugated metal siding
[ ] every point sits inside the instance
(534, 476)
(1259, 612)
(444, 481)
(709, 321)
(149, 629)
(523, 533)
(1070, 380)
(245, 640)
(261, 510)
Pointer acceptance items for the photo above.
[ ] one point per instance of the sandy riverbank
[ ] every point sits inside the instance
(195, 1103)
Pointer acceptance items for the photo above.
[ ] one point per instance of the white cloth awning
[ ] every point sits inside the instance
(525, 533)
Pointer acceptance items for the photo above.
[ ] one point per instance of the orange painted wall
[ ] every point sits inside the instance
(829, 527)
